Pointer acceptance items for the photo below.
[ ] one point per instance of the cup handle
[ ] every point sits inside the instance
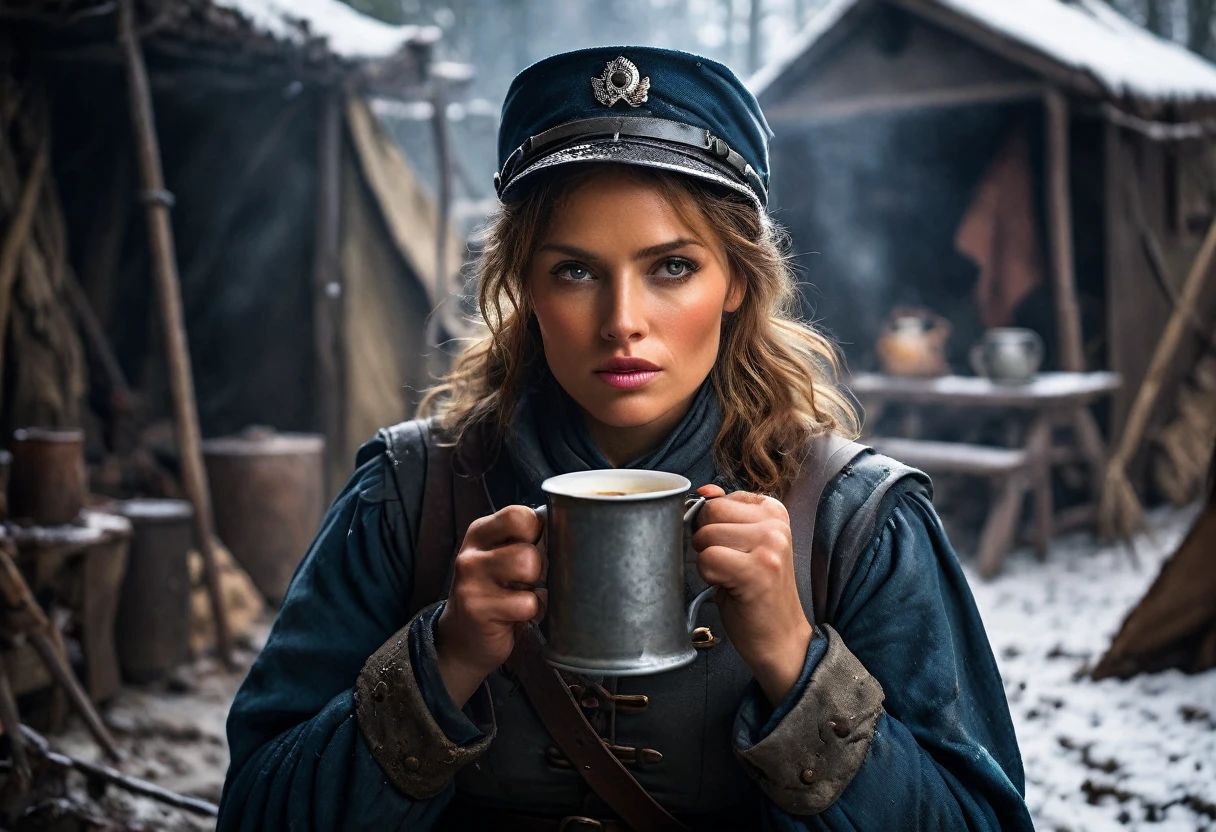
(692, 507)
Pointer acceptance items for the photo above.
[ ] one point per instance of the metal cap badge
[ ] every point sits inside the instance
(621, 81)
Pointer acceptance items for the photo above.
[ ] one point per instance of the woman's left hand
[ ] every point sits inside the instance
(744, 544)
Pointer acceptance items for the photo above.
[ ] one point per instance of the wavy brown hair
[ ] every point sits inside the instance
(776, 376)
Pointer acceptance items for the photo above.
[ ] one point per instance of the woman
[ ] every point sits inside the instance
(639, 315)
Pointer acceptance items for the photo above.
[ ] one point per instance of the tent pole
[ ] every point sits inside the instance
(436, 329)
(1059, 224)
(327, 286)
(164, 269)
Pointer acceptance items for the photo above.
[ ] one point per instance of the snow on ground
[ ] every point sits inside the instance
(1121, 755)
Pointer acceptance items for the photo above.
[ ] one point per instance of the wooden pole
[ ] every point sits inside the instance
(328, 289)
(42, 636)
(443, 209)
(117, 778)
(12, 719)
(1059, 224)
(1119, 511)
(18, 233)
(164, 270)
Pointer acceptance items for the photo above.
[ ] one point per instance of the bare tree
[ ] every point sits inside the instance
(754, 46)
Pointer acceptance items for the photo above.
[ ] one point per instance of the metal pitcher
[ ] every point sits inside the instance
(1008, 355)
(616, 545)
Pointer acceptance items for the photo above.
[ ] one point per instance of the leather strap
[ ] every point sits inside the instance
(436, 545)
(828, 456)
(582, 745)
(549, 694)
(645, 127)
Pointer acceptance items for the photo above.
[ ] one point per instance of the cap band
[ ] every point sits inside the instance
(661, 129)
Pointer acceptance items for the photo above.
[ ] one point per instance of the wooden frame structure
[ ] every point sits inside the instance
(870, 60)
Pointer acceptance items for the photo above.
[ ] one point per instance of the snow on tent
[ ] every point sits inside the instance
(1174, 625)
(307, 248)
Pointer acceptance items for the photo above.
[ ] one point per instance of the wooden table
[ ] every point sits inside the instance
(1050, 401)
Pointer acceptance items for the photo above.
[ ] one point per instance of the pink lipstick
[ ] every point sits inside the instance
(626, 373)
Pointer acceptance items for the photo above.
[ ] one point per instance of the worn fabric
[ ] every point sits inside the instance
(942, 754)
(405, 736)
(806, 760)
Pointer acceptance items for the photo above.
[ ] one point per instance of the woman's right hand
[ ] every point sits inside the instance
(493, 592)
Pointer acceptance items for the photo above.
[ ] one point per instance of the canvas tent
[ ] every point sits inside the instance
(1174, 625)
(306, 245)
(1042, 163)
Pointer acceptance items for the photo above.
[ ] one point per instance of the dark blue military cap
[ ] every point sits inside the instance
(634, 105)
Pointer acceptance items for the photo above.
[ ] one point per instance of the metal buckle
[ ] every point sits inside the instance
(575, 822)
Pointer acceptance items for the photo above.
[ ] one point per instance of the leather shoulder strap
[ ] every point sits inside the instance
(436, 542)
(454, 496)
(828, 455)
(824, 563)
(580, 743)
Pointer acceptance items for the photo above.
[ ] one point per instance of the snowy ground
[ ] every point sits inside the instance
(1100, 756)
(1120, 755)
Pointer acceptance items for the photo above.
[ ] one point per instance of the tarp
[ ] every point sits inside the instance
(1174, 625)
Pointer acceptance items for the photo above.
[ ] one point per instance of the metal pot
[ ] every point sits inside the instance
(913, 343)
(152, 629)
(1009, 355)
(616, 546)
(48, 482)
(267, 490)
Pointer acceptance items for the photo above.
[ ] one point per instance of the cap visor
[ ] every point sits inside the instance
(642, 154)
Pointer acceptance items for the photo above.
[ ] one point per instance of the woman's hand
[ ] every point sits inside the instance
(493, 592)
(744, 544)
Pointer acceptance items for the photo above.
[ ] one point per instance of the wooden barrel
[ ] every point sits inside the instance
(267, 490)
(152, 630)
(47, 482)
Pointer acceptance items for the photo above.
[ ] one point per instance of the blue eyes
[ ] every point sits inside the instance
(671, 269)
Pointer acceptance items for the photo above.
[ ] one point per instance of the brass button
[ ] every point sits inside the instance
(703, 637)
(650, 756)
(807, 776)
(411, 764)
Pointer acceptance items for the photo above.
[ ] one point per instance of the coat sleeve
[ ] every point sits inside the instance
(299, 755)
(900, 709)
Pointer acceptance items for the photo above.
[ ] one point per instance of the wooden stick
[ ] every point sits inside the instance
(18, 233)
(164, 269)
(327, 288)
(12, 719)
(1120, 512)
(117, 778)
(40, 632)
(1156, 258)
(1059, 212)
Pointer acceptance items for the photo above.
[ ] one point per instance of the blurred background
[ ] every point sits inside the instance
(238, 236)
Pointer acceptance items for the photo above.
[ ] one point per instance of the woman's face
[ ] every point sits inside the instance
(629, 297)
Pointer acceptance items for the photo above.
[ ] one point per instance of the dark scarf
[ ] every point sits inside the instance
(548, 436)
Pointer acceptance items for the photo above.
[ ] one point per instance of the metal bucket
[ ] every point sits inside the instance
(152, 629)
(47, 481)
(267, 490)
(616, 546)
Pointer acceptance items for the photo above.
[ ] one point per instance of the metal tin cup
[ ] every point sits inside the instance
(616, 547)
